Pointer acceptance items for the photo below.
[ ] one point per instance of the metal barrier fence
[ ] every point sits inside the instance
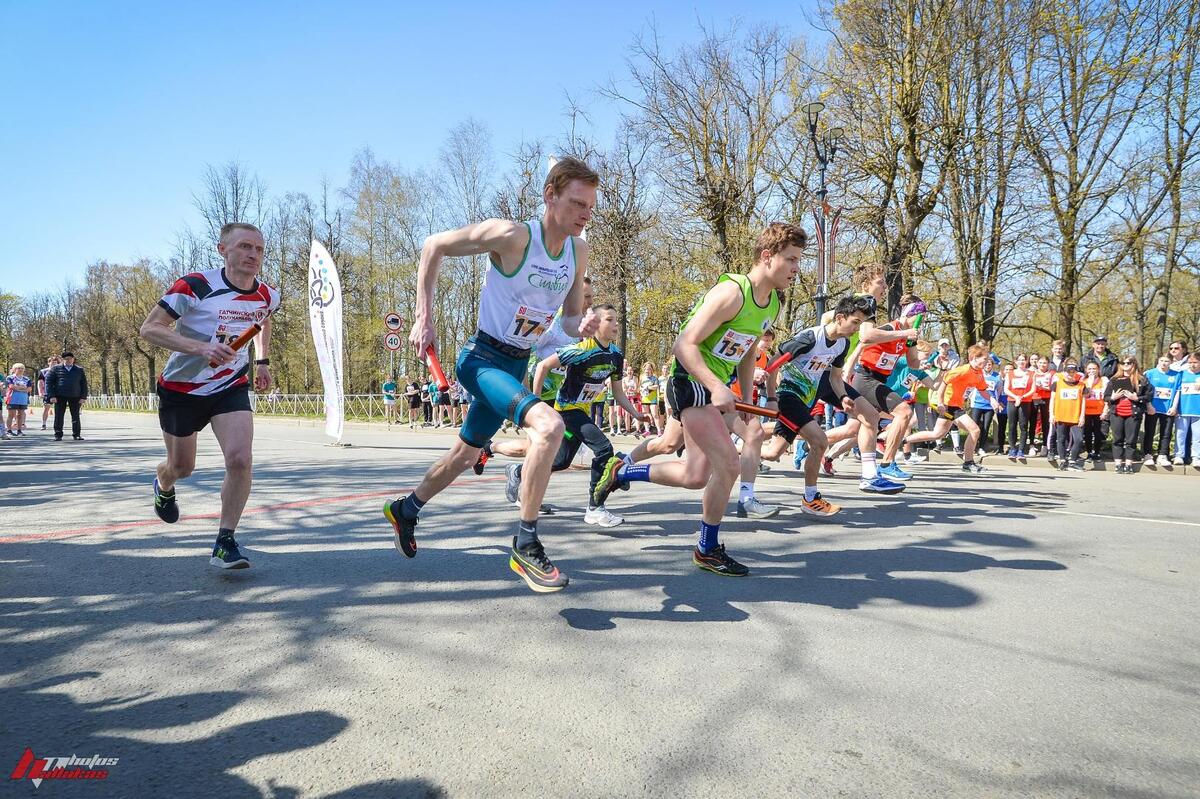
(358, 406)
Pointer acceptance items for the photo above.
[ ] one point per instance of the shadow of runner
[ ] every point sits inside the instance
(53, 723)
(827, 578)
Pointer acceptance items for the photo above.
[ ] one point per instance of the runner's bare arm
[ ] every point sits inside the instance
(577, 321)
(745, 371)
(541, 370)
(159, 330)
(262, 351)
(499, 238)
(868, 333)
(720, 304)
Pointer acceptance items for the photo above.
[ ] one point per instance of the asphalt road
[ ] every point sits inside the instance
(1030, 633)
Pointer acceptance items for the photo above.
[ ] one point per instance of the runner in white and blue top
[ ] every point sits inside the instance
(535, 268)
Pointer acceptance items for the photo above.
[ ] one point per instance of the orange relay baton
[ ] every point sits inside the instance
(241, 340)
(435, 366)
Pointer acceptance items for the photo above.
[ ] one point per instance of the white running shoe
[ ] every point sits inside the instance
(602, 516)
(1178, 461)
(758, 510)
(1163, 460)
(1148, 461)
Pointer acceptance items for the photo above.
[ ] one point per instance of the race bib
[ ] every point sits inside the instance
(1068, 393)
(591, 391)
(1019, 382)
(1190, 388)
(733, 346)
(528, 324)
(1042, 382)
(1162, 393)
(1095, 394)
(887, 361)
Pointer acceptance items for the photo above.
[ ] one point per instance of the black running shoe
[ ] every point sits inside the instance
(535, 568)
(164, 504)
(608, 481)
(226, 555)
(484, 457)
(404, 531)
(718, 562)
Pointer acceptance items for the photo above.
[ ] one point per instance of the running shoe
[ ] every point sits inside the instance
(1163, 460)
(894, 472)
(164, 504)
(404, 530)
(1075, 466)
(226, 555)
(718, 562)
(973, 468)
(916, 457)
(1177, 462)
(763, 468)
(819, 506)
(535, 568)
(958, 452)
(827, 467)
(880, 485)
(1021, 456)
(1148, 461)
(753, 508)
(512, 483)
(484, 457)
(1052, 459)
(801, 453)
(602, 517)
(1012, 454)
(608, 481)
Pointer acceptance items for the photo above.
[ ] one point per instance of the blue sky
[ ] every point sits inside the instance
(114, 108)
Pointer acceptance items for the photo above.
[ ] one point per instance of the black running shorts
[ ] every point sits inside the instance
(794, 413)
(878, 393)
(183, 415)
(683, 392)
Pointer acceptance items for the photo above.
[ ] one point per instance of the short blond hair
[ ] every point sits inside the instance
(565, 170)
(229, 227)
(17, 366)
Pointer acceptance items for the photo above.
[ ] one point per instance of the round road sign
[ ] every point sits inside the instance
(393, 341)
(393, 321)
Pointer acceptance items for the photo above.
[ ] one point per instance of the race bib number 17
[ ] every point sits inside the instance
(528, 324)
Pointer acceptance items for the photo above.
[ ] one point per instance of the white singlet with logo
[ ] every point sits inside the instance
(518, 310)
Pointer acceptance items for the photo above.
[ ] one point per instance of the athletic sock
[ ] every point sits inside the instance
(627, 458)
(810, 493)
(956, 437)
(745, 492)
(526, 533)
(632, 472)
(224, 532)
(487, 448)
(166, 493)
(868, 466)
(708, 537)
(410, 508)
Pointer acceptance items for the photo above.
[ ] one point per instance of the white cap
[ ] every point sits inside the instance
(943, 341)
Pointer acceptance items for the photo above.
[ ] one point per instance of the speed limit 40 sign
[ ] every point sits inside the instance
(393, 341)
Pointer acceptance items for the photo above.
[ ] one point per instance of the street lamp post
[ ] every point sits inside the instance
(826, 147)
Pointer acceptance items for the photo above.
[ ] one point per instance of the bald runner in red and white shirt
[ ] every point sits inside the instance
(207, 307)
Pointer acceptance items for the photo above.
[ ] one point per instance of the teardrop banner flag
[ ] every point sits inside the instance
(325, 315)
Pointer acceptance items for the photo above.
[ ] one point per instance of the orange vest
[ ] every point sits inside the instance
(882, 358)
(1068, 399)
(1093, 398)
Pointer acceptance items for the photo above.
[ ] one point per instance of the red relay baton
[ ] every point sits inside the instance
(746, 407)
(435, 366)
(779, 361)
(241, 340)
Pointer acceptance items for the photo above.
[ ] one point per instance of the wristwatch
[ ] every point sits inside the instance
(263, 362)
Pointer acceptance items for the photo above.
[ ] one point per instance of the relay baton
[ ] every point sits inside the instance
(435, 366)
(746, 407)
(241, 340)
(779, 361)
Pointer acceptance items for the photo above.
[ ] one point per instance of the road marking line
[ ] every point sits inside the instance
(1118, 518)
(303, 503)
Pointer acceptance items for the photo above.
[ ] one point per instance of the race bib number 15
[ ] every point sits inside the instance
(733, 346)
